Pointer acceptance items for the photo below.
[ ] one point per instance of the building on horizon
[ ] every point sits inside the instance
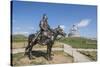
(74, 32)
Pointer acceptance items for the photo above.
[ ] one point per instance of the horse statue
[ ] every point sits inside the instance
(34, 39)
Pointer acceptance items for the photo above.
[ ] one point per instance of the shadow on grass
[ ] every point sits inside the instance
(39, 54)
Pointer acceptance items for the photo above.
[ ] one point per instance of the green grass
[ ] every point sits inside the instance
(76, 42)
(19, 38)
(92, 54)
(80, 42)
(16, 57)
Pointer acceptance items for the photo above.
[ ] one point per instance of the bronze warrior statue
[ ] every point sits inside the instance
(46, 36)
(45, 29)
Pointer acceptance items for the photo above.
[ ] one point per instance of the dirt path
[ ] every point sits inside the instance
(54, 49)
(14, 51)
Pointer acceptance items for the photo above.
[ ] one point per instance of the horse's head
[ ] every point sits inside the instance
(60, 31)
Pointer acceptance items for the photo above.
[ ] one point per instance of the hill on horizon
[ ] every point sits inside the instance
(19, 37)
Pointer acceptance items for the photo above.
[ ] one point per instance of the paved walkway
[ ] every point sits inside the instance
(78, 57)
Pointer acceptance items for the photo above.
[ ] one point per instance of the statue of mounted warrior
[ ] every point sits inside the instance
(45, 30)
(46, 36)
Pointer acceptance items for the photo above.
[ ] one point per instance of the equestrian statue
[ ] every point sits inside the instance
(46, 36)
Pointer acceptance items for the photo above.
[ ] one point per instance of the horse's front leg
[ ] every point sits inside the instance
(49, 52)
(51, 44)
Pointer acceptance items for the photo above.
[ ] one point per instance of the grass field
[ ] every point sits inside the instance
(19, 38)
(59, 57)
(20, 41)
(80, 43)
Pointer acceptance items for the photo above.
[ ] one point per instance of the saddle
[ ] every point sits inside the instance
(45, 37)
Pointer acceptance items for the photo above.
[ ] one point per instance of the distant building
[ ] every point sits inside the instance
(74, 32)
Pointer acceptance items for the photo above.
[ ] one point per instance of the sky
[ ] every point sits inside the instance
(26, 17)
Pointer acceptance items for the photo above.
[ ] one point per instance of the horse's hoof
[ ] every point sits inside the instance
(30, 58)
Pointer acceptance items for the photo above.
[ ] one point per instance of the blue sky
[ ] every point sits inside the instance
(27, 16)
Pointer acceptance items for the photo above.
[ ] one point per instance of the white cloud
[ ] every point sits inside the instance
(84, 23)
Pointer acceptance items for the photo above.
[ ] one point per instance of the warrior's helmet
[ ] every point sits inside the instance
(45, 16)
